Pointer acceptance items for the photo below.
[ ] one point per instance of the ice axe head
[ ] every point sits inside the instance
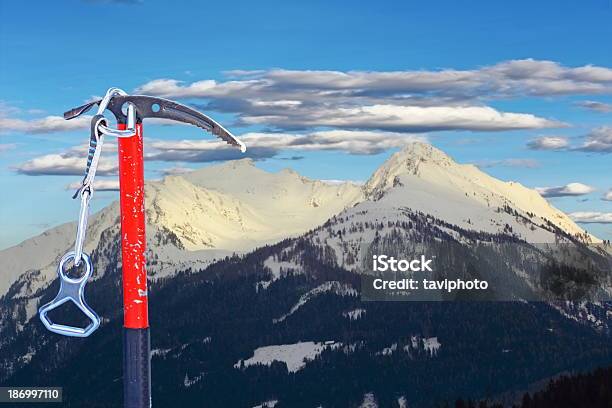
(151, 107)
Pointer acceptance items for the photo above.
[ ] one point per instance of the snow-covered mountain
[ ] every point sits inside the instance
(193, 219)
(423, 184)
(421, 202)
(423, 178)
(290, 316)
(236, 207)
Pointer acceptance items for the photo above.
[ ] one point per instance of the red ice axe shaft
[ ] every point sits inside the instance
(136, 336)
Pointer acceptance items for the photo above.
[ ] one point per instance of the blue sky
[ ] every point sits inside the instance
(548, 63)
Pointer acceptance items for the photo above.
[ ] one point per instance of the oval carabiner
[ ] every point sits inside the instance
(71, 289)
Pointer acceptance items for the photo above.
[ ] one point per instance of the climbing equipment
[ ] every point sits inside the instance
(73, 289)
(129, 111)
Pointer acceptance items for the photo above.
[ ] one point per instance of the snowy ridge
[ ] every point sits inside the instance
(192, 220)
(205, 215)
(239, 207)
(340, 289)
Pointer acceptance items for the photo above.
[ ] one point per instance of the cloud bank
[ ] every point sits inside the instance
(71, 162)
(513, 78)
(99, 185)
(571, 189)
(549, 143)
(596, 106)
(526, 163)
(598, 140)
(48, 124)
(64, 164)
(592, 217)
(261, 146)
(267, 145)
(406, 101)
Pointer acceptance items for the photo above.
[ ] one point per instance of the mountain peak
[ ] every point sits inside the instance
(408, 161)
(423, 152)
(246, 162)
(421, 169)
(242, 168)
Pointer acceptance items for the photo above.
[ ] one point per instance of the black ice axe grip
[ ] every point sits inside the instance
(136, 368)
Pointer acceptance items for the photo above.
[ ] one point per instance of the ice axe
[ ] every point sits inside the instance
(129, 111)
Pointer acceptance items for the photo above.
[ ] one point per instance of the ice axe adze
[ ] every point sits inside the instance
(129, 111)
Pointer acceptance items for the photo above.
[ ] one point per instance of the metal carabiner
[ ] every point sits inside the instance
(131, 115)
(96, 140)
(71, 289)
(81, 226)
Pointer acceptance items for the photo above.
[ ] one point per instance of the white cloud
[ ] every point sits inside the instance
(411, 101)
(99, 185)
(525, 163)
(607, 196)
(549, 143)
(407, 101)
(596, 106)
(599, 141)
(571, 189)
(52, 124)
(266, 145)
(592, 217)
(508, 78)
(260, 146)
(64, 164)
(47, 124)
(172, 88)
(173, 171)
(407, 118)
